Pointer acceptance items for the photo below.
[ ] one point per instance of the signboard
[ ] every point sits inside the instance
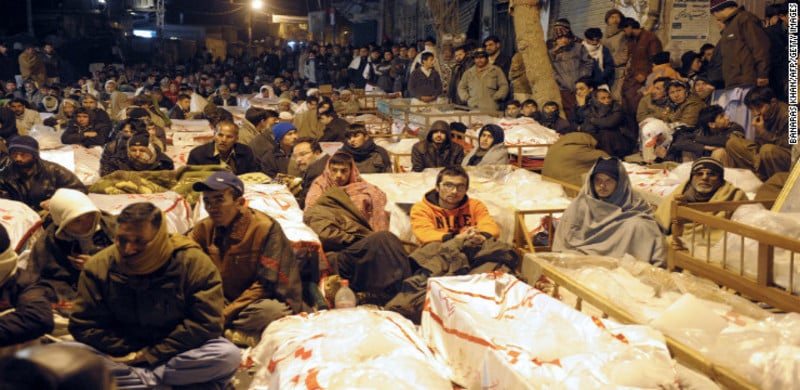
(689, 20)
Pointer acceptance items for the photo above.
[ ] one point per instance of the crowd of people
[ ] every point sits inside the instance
(166, 309)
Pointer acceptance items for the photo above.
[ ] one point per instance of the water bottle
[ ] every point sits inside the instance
(345, 297)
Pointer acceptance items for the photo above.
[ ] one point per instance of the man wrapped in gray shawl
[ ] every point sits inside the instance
(607, 218)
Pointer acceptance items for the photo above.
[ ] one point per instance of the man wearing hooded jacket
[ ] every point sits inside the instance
(437, 150)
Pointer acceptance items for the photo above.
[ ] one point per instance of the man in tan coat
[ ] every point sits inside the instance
(31, 66)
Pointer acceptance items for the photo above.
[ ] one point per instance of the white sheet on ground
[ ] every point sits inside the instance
(23, 224)
(345, 349)
(174, 206)
(497, 332)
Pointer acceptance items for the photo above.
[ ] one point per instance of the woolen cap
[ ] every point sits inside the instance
(219, 181)
(718, 5)
(709, 163)
(609, 166)
(281, 129)
(140, 139)
(24, 144)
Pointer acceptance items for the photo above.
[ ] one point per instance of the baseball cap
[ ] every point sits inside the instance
(219, 181)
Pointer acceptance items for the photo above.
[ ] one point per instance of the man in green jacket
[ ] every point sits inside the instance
(152, 304)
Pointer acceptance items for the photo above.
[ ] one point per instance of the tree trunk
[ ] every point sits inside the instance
(533, 48)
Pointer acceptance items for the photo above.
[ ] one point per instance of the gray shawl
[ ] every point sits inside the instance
(622, 224)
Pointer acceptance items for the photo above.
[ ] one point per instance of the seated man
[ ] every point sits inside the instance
(550, 119)
(656, 105)
(530, 109)
(369, 157)
(714, 128)
(79, 230)
(82, 130)
(152, 303)
(491, 149)
(513, 109)
(25, 312)
(707, 184)
(604, 119)
(771, 152)
(335, 128)
(225, 149)
(101, 118)
(26, 118)
(250, 251)
(181, 108)
(31, 180)
(264, 141)
(683, 110)
(437, 150)
(307, 121)
(224, 98)
(608, 218)
(140, 154)
(571, 157)
(350, 218)
(311, 162)
(277, 160)
(347, 104)
(458, 236)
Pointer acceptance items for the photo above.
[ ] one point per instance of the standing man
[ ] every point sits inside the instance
(616, 42)
(496, 56)
(744, 50)
(250, 250)
(483, 85)
(31, 180)
(462, 62)
(571, 61)
(52, 64)
(31, 66)
(642, 46)
(153, 304)
(225, 149)
(425, 83)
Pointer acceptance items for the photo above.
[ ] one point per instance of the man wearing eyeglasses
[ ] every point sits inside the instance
(447, 213)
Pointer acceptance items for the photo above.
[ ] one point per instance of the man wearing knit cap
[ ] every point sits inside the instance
(250, 250)
(31, 180)
(707, 184)
(616, 42)
(277, 160)
(143, 155)
(225, 149)
(79, 230)
(152, 303)
(26, 312)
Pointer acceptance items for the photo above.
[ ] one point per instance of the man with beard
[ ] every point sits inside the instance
(101, 118)
(225, 149)
(483, 85)
(603, 118)
(707, 184)
(549, 118)
(31, 180)
(462, 62)
(26, 118)
(437, 150)
(615, 40)
(369, 157)
(152, 304)
(81, 131)
(250, 250)
(496, 57)
(310, 161)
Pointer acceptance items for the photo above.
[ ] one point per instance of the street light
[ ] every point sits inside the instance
(255, 5)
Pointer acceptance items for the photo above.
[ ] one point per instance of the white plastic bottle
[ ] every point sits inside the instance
(345, 297)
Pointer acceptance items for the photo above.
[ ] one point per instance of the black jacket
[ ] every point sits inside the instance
(74, 133)
(336, 131)
(33, 190)
(425, 154)
(32, 316)
(243, 160)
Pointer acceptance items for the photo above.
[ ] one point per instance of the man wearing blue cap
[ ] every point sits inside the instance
(277, 161)
(31, 180)
(260, 276)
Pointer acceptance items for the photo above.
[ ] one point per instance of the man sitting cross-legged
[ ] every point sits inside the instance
(250, 250)
(152, 304)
